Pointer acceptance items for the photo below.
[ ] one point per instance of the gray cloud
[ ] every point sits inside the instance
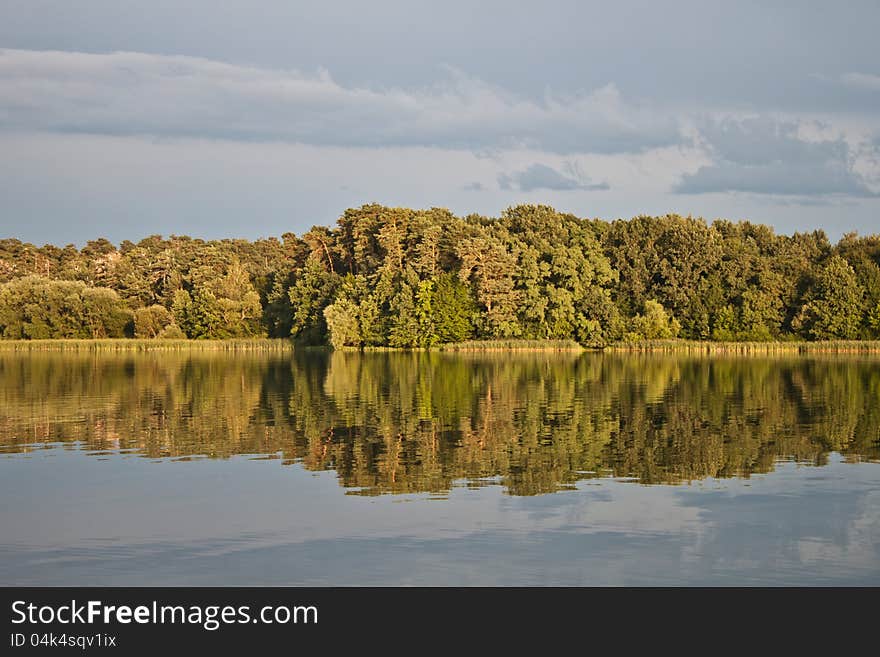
(767, 156)
(808, 179)
(128, 93)
(862, 81)
(540, 176)
(673, 51)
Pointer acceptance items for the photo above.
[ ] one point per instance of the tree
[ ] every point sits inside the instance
(404, 329)
(835, 307)
(312, 291)
(489, 266)
(724, 324)
(760, 315)
(277, 310)
(415, 278)
(35, 307)
(197, 314)
(453, 309)
(654, 324)
(104, 313)
(863, 255)
(562, 275)
(343, 325)
(238, 304)
(874, 318)
(152, 322)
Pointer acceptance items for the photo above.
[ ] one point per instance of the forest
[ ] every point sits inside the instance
(397, 277)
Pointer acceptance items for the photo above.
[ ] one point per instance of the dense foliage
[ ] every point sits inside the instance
(409, 278)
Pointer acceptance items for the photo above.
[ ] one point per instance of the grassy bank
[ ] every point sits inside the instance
(743, 348)
(123, 344)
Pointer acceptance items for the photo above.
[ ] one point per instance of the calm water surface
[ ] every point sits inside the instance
(388, 469)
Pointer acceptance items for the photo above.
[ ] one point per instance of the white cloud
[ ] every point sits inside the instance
(127, 93)
(125, 144)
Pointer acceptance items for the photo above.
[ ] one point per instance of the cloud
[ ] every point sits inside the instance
(126, 93)
(807, 179)
(540, 176)
(768, 156)
(474, 187)
(861, 81)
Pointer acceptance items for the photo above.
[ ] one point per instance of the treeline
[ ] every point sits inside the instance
(415, 278)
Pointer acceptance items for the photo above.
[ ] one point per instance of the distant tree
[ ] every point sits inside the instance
(404, 328)
(424, 298)
(277, 310)
(312, 291)
(420, 277)
(453, 309)
(238, 304)
(654, 324)
(152, 321)
(343, 325)
(104, 313)
(34, 307)
(199, 315)
(760, 315)
(863, 255)
(489, 266)
(874, 319)
(835, 307)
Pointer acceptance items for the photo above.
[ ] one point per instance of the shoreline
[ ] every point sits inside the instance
(135, 344)
(472, 346)
(749, 348)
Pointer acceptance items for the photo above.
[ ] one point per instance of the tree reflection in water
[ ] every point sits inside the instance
(419, 421)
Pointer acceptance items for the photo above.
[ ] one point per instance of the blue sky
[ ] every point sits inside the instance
(124, 118)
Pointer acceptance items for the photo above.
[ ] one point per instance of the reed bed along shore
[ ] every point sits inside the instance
(475, 346)
(485, 345)
(128, 344)
(512, 345)
(746, 348)
(658, 346)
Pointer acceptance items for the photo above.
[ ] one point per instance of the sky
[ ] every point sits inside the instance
(251, 118)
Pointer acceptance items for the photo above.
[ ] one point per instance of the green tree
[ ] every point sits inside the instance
(312, 291)
(197, 314)
(453, 309)
(654, 324)
(404, 329)
(419, 277)
(724, 324)
(835, 309)
(152, 321)
(238, 304)
(35, 307)
(874, 318)
(104, 313)
(489, 266)
(343, 324)
(863, 255)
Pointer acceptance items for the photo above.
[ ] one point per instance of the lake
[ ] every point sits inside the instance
(332, 468)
